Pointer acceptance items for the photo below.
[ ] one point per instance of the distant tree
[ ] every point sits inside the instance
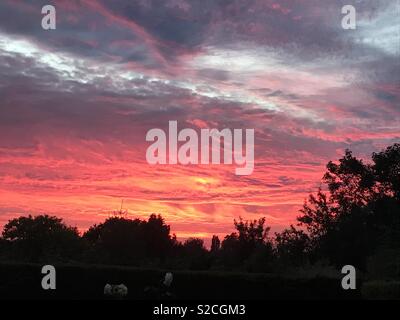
(41, 238)
(251, 234)
(195, 254)
(230, 251)
(157, 237)
(130, 241)
(215, 244)
(292, 245)
(194, 246)
(253, 231)
(116, 241)
(250, 241)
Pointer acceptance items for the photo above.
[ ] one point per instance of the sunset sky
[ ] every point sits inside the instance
(76, 103)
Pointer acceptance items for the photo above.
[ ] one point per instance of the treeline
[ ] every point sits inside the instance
(354, 220)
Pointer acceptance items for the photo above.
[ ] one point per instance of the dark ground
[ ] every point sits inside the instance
(23, 281)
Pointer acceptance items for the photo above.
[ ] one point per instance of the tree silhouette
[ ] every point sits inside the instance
(195, 254)
(215, 244)
(387, 171)
(361, 211)
(249, 242)
(125, 241)
(41, 238)
(292, 245)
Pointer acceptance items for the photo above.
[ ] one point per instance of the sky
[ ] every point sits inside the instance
(76, 103)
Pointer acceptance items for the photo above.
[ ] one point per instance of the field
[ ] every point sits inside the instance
(23, 281)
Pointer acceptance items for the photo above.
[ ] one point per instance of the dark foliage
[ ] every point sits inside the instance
(40, 238)
(360, 213)
(249, 247)
(124, 241)
(292, 246)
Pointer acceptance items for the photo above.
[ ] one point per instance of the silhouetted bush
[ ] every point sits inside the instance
(124, 241)
(41, 238)
(292, 246)
(195, 254)
(249, 248)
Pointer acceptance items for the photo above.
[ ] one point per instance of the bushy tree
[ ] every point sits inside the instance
(360, 212)
(41, 238)
(387, 171)
(195, 254)
(292, 246)
(215, 244)
(249, 242)
(130, 241)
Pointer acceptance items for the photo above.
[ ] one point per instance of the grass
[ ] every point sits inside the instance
(381, 290)
(87, 282)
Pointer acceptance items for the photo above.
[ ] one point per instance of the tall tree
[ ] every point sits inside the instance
(359, 212)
